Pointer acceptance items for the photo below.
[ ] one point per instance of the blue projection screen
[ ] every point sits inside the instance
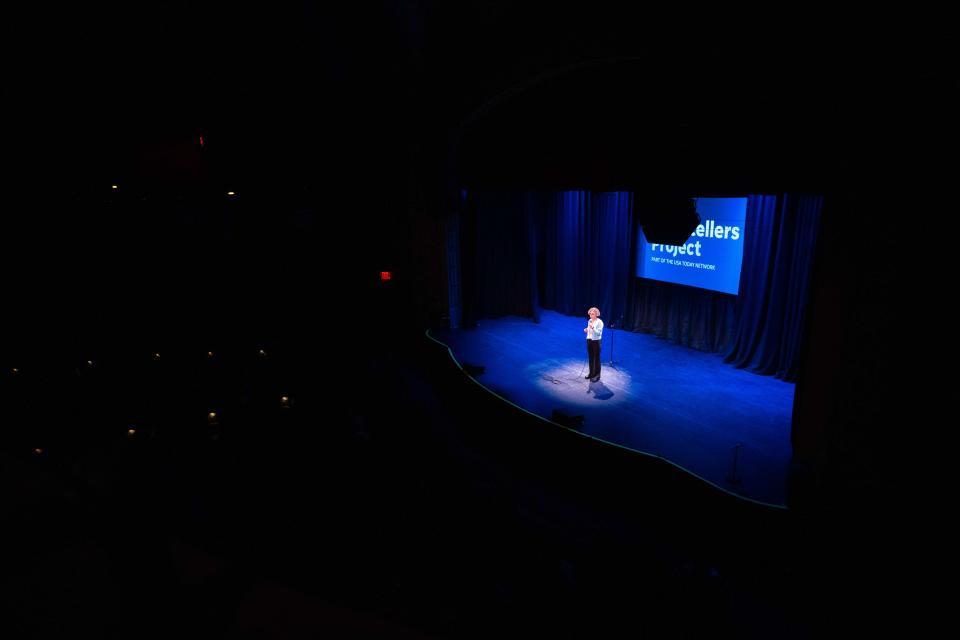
(710, 259)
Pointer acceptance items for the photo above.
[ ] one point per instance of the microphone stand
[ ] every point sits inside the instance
(612, 326)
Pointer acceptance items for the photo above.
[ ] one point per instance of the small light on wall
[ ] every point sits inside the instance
(131, 432)
(231, 193)
(114, 187)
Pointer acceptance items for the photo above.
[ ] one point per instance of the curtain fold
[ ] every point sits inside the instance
(770, 314)
(587, 244)
(695, 318)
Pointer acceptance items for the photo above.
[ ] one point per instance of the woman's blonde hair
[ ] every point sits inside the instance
(593, 309)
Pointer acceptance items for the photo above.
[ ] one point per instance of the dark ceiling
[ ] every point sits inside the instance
(542, 93)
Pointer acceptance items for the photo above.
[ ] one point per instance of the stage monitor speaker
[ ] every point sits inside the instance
(668, 220)
(473, 370)
(561, 417)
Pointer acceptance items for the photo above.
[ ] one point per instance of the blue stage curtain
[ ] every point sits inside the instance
(587, 242)
(771, 310)
(574, 246)
(692, 317)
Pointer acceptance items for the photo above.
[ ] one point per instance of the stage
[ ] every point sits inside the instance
(727, 426)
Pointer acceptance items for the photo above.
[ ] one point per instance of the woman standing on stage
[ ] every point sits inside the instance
(594, 332)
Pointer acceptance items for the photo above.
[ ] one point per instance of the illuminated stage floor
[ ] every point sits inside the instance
(656, 397)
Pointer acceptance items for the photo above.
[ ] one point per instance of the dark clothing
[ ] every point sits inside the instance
(593, 352)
